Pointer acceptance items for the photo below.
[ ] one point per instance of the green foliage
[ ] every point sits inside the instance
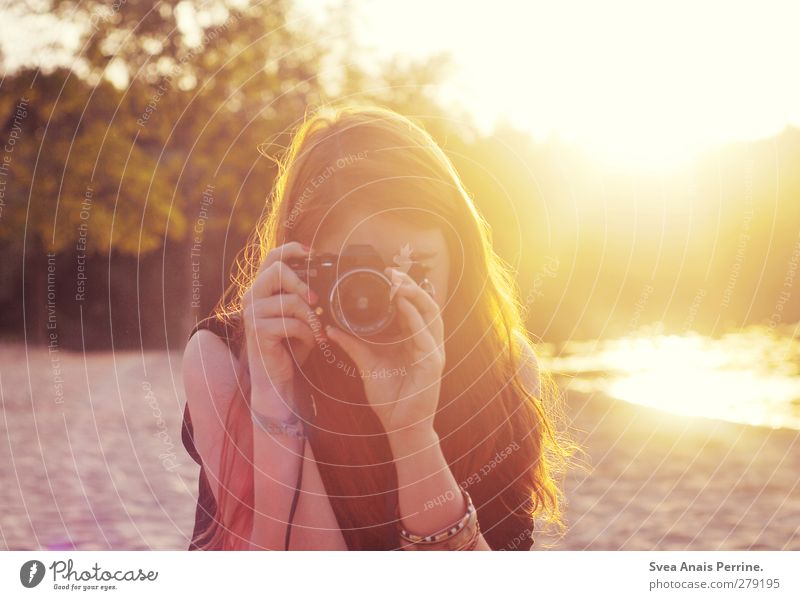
(189, 115)
(152, 112)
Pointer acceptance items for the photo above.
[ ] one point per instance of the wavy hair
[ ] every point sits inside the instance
(348, 156)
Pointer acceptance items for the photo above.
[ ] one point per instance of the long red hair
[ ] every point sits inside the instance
(347, 156)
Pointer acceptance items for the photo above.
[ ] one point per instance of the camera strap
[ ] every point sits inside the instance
(302, 391)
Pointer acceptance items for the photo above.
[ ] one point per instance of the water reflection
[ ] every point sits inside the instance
(752, 376)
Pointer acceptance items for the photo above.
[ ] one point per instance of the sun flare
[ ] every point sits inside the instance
(637, 84)
(746, 377)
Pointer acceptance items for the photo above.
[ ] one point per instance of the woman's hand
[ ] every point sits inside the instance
(276, 308)
(402, 380)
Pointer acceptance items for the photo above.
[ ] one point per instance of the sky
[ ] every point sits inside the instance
(634, 82)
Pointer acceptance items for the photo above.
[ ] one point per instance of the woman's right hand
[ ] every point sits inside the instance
(277, 307)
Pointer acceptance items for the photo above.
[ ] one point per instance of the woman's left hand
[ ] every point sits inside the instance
(402, 380)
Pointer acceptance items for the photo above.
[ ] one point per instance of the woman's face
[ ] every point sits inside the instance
(389, 233)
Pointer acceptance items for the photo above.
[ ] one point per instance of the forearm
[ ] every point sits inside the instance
(429, 497)
(276, 461)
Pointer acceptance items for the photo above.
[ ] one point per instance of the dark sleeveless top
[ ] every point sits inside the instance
(504, 527)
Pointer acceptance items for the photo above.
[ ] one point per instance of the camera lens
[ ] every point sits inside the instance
(360, 302)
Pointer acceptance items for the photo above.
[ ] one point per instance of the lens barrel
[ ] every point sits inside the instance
(360, 301)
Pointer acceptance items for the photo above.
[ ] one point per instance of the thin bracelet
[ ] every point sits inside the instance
(455, 537)
(473, 541)
(444, 533)
(293, 427)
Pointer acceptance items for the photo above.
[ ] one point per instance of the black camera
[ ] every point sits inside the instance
(353, 292)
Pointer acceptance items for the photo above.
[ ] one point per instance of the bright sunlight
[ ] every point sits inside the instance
(639, 84)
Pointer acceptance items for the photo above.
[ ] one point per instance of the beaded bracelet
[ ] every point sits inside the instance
(465, 539)
(473, 541)
(293, 427)
(455, 537)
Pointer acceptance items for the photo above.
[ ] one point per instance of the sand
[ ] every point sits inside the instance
(658, 481)
(98, 464)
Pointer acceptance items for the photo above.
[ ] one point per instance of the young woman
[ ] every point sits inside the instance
(312, 436)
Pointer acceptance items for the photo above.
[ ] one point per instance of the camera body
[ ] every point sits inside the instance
(353, 291)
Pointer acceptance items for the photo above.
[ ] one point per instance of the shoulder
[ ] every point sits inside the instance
(210, 379)
(210, 375)
(226, 327)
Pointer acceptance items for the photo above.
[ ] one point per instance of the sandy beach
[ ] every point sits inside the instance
(658, 481)
(97, 463)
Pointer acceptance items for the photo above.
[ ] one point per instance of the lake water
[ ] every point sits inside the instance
(752, 376)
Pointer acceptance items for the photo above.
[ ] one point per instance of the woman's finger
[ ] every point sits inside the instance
(284, 253)
(424, 303)
(282, 305)
(281, 328)
(422, 340)
(357, 350)
(279, 277)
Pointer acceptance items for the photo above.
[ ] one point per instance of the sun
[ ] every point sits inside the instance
(637, 84)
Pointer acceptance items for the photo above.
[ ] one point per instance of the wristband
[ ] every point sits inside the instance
(462, 535)
(293, 427)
